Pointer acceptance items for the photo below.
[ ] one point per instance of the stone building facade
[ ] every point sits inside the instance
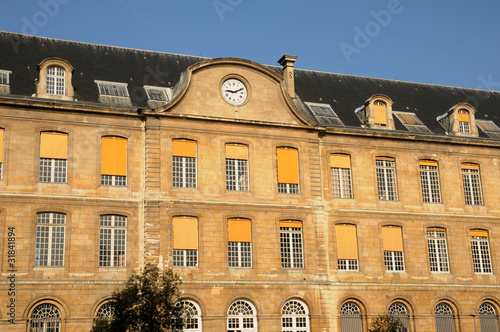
(286, 199)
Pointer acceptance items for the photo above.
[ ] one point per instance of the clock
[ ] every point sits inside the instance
(234, 91)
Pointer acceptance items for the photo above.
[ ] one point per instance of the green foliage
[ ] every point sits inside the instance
(101, 325)
(386, 323)
(147, 304)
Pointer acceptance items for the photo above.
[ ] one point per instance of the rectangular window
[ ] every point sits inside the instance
(288, 170)
(49, 243)
(112, 88)
(185, 241)
(239, 242)
(386, 179)
(53, 157)
(380, 113)
(341, 175)
(112, 241)
(158, 93)
(472, 184)
(393, 248)
(184, 163)
(480, 251)
(114, 161)
(438, 251)
(2, 132)
(4, 76)
(236, 167)
(429, 179)
(347, 247)
(55, 81)
(291, 244)
(463, 121)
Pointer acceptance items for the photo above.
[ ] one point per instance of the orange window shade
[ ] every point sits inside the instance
(436, 229)
(185, 233)
(347, 246)
(237, 151)
(288, 165)
(53, 145)
(114, 156)
(470, 166)
(428, 163)
(478, 232)
(393, 240)
(340, 160)
(380, 116)
(184, 148)
(291, 223)
(385, 158)
(463, 117)
(239, 230)
(1, 144)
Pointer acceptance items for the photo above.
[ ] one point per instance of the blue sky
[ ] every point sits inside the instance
(453, 43)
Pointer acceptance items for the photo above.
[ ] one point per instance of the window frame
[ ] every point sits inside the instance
(184, 168)
(240, 317)
(237, 167)
(190, 319)
(185, 254)
(117, 233)
(481, 253)
(55, 233)
(107, 178)
(56, 81)
(294, 312)
(52, 322)
(437, 249)
(288, 172)
(429, 181)
(351, 315)
(42, 83)
(471, 184)
(291, 258)
(5, 76)
(112, 89)
(53, 167)
(341, 175)
(386, 175)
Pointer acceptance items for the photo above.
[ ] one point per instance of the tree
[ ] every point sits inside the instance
(386, 323)
(146, 304)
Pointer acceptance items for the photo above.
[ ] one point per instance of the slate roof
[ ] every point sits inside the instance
(21, 54)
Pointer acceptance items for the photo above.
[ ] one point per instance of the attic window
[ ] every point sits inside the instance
(158, 93)
(489, 128)
(4, 76)
(55, 81)
(324, 114)
(411, 122)
(112, 88)
(379, 108)
(463, 121)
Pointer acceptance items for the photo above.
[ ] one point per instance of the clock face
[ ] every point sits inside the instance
(234, 91)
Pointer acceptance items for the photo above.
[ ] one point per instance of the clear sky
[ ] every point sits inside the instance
(448, 42)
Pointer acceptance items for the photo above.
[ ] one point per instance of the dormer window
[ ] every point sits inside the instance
(112, 89)
(324, 114)
(376, 113)
(158, 93)
(4, 76)
(55, 78)
(459, 120)
(55, 81)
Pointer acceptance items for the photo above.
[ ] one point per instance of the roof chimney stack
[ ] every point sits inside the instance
(287, 62)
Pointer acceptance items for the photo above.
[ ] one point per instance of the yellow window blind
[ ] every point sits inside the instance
(185, 233)
(380, 116)
(237, 151)
(470, 166)
(340, 161)
(288, 165)
(1, 144)
(53, 145)
(428, 163)
(463, 117)
(184, 148)
(478, 232)
(291, 223)
(347, 246)
(239, 230)
(436, 229)
(114, 156)
(392, 238)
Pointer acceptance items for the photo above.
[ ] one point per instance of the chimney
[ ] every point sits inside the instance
(287, 62)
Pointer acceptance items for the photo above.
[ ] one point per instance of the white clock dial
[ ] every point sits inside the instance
(234, 91)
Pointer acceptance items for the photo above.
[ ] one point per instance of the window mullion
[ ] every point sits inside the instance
(290, 248)
(183, 175)
(236, 175)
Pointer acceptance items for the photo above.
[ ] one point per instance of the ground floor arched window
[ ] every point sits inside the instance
(241, 317)
(46, 317)
(192, 315)
(294, 317)
(350, 317)
(400, 311)
(107, 310)
(444, 317)
(488, 317)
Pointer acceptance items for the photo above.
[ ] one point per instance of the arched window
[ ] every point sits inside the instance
(55, 80)
(350, 317)
(294, 317)
(191, 315)
(488, 317)
(444, 318)
(400, 311)
(107, 310)
(241, 316)
(46, 317)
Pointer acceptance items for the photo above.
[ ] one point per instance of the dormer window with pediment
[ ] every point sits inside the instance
(54, 80)
(460, 120)
(377, 113)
